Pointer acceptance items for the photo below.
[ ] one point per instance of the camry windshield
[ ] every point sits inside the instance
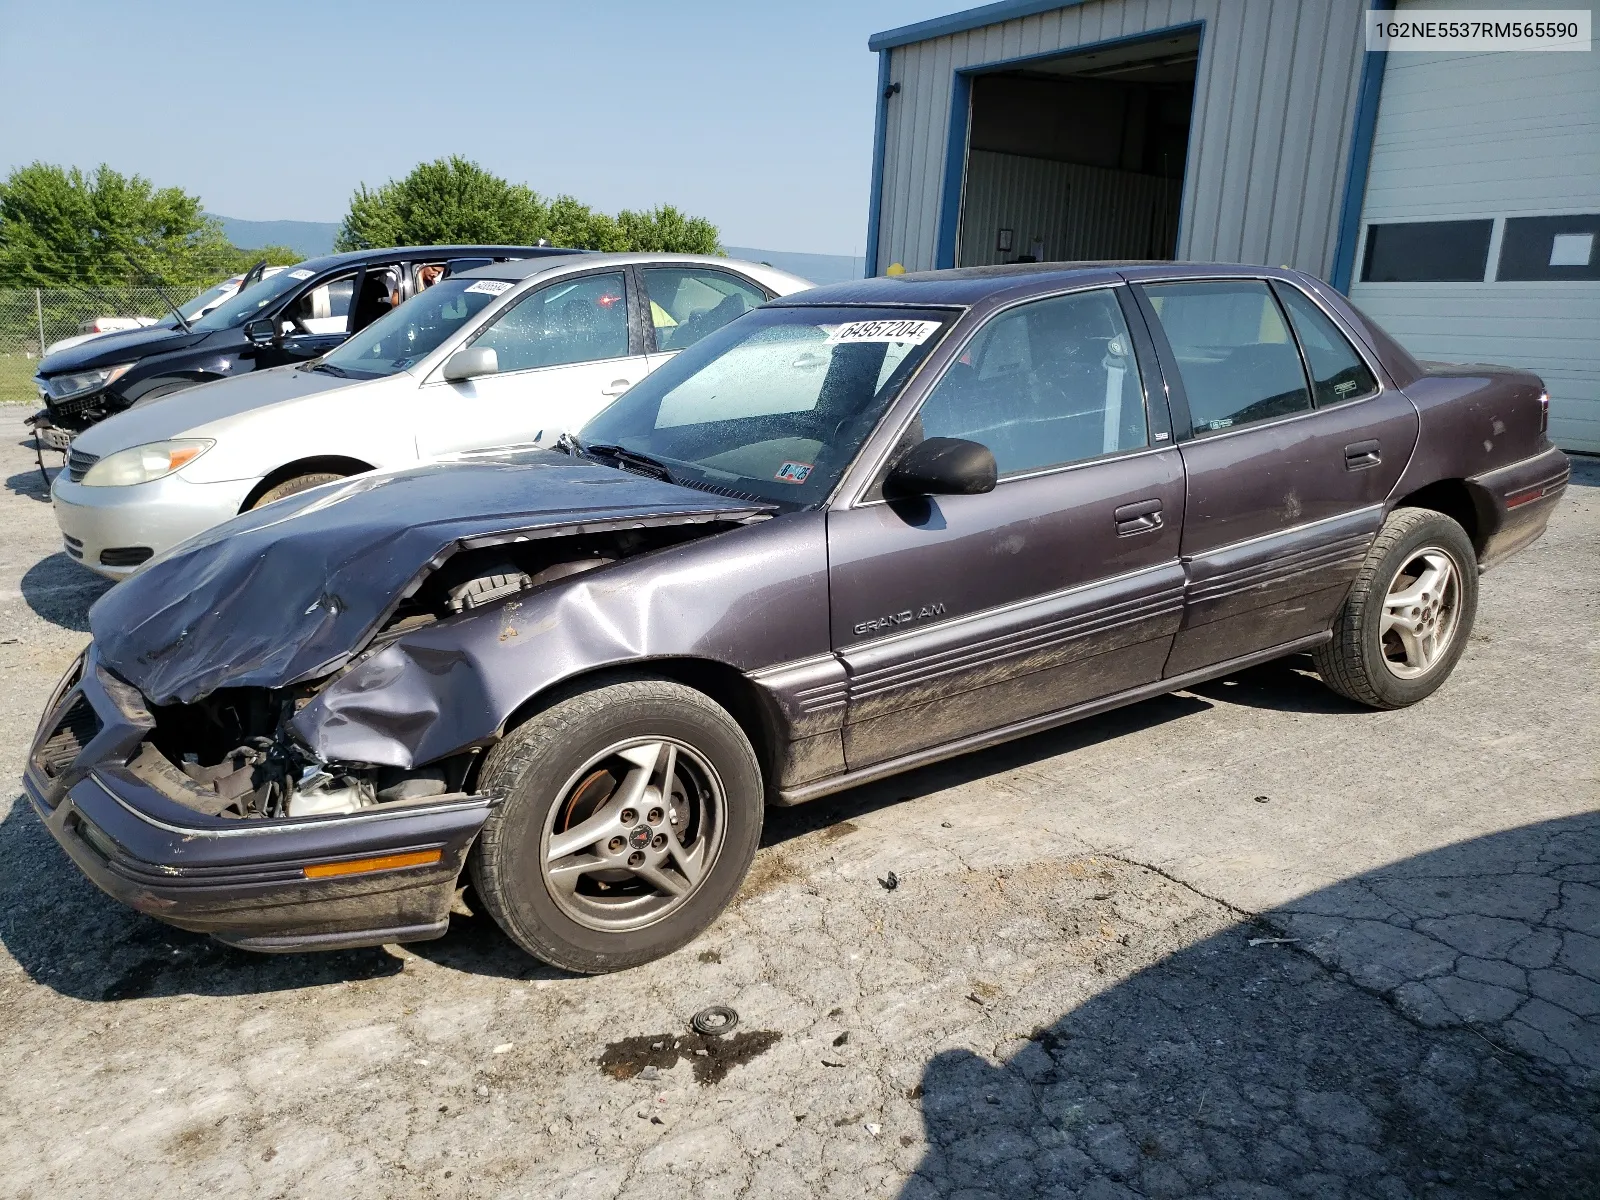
(773, 405)
(252, 300)
(402, 336)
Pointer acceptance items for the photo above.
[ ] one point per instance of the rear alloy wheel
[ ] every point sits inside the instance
(630, 816)
(1409, 614)
(299, 483)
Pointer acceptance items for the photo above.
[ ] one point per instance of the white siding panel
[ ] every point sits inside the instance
(1493, 135)
(1274, 91)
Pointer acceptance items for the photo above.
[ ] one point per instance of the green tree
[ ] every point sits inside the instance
(454, 200)
(61, 226)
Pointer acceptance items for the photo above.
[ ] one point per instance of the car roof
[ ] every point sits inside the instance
(968, 285)
(327, 261)
(529, 267)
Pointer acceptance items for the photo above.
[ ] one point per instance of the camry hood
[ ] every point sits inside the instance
(180, 412)
(290, 592)
(109, 349)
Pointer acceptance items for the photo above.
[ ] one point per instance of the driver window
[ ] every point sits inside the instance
(1043, 385)
(574, 321)
(322, 309)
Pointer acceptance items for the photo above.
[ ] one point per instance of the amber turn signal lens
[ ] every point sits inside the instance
(383, 862)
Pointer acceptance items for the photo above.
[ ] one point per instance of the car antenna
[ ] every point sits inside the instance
(155, 283)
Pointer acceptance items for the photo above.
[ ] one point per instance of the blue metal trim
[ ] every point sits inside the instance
(1355, 176)
(880, 127)
(972, 18)
(955, 170)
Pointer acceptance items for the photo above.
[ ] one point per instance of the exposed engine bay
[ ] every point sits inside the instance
(232, 753)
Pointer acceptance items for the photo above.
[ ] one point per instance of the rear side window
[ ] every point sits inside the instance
(1337, 372)
(686, 304)
(1238, 362)
(1043, 385)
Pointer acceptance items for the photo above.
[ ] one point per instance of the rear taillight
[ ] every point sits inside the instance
(1544, 412)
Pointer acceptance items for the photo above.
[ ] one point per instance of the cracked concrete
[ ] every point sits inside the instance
(1081, 985)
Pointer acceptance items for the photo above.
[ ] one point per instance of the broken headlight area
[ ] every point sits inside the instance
(232, 755)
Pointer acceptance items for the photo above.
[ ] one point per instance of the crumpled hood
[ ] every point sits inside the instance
(291, 592)
(108, 349)
(181, 412)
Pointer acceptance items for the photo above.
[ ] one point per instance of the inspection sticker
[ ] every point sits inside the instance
(301, 274)
(490, 287)
(912, 332)
(793, 472)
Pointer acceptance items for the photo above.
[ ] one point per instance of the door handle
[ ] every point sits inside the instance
(1139, 517)
(618, 386)
(1358, 456)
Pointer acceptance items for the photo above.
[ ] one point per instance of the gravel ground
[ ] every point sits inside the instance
(1242, 941)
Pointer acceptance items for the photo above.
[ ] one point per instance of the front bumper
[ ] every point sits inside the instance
(245, 882)
(1518, 500)
(155, 516)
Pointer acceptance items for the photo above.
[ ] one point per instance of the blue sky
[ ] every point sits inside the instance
(754, 113)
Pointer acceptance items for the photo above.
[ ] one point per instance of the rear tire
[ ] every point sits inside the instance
(299, 483)
(1406, 621)
(630, 816)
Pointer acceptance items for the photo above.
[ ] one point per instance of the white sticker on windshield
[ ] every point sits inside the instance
(301, 274)
(490, 287)
(911, 332)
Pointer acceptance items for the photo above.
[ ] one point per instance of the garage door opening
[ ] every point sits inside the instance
(1079, 157)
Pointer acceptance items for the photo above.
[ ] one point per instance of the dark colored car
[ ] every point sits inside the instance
(292, 316)
(857, 530)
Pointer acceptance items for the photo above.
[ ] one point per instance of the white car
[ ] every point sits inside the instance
(193, 310)
(510, 354)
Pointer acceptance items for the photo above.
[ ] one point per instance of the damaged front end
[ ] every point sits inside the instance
(180, 765)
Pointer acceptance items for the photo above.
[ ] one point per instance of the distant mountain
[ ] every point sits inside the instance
(312, 238)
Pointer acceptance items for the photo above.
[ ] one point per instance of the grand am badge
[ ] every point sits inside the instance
(906, 617)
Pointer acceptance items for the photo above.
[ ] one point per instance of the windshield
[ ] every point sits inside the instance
(252, 300)
(775, 404)
(210, 296)
(396, 340)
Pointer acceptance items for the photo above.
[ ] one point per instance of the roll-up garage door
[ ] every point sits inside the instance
(1480, 237)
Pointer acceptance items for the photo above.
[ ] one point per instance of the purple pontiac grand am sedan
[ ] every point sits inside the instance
(857, 530)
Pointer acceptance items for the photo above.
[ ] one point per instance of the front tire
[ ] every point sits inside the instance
(631, 814)
(1405, 624)
(290, 487)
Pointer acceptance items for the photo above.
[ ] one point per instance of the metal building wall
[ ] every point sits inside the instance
(1493, 135)
(1078, 211)
(1274, 102)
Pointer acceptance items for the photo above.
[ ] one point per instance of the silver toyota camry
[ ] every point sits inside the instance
(512, 354)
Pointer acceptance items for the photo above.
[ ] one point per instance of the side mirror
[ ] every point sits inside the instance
(941, 466)
(471, 363)
(262, 332)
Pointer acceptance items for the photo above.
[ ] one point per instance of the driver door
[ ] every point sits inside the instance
(314, 322)
(565, 351)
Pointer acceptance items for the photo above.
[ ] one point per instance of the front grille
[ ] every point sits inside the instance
(78, 463)
(125, 556)
(73, 546)
(77, 730)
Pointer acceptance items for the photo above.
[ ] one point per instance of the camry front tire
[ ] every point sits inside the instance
(630, 815)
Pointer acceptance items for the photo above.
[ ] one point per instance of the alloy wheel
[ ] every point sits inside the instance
(1420, 612)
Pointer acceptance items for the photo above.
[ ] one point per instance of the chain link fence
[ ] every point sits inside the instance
(33, 319)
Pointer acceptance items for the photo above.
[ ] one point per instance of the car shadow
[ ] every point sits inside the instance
(1431, 1028)
(61, 591)
(1283, 685)
(31, 484)
(67, 935)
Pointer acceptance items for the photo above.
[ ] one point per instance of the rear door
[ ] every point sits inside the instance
(566, 350)
(958, 615)
(1287, 472)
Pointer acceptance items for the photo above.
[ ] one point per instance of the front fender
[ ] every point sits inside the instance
(747, 598)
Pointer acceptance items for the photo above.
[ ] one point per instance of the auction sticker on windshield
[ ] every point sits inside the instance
(301, 274)
(490, 287)
(912, 333)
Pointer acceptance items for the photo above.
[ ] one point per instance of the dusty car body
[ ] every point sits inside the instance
(280, 732)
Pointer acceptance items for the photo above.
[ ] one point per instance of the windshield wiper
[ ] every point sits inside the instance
(630, 460)
(317, 364)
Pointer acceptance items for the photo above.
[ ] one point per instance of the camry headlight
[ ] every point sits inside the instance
(63, 387)
(141, 464)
